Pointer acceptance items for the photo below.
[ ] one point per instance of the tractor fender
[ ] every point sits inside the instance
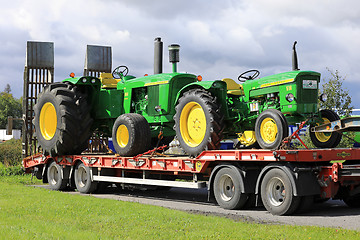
(87, 80)
(304, 183)
(207, 85)
(214, 172)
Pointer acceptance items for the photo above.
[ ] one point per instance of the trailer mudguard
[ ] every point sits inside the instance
(304, 183)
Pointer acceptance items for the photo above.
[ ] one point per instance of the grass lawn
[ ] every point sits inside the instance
(36, 213)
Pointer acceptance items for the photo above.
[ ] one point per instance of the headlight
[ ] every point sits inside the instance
(289, 97)
(84, 80)
(323, 97)
(93, 80)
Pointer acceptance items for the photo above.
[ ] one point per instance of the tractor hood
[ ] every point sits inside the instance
(152, 80)
(263, 85)
(277, 79)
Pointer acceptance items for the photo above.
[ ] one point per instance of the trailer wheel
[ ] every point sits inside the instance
(62, 120)
(325, 140)
(131, 134)
(83, 181)
(227, 189)
(271, 128)
(55, 177)
(198, 122)
(277, 193)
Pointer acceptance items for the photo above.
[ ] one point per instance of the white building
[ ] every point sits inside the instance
(15, 134)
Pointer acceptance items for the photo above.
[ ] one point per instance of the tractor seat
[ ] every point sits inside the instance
(233, 88)
(108, 81)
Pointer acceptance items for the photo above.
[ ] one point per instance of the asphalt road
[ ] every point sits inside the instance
(332, 213)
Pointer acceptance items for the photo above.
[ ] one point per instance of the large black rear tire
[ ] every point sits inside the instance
(62, 120)
(199, 122)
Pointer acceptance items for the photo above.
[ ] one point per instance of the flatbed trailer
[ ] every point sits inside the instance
(284, 181)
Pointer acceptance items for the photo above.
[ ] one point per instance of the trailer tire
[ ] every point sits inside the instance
(277, 193)
(131, 134)
(55, 177)
(227, 189)
(62, 120)
(326, 140)
(271, 128)
(199, 122)
(83, 180)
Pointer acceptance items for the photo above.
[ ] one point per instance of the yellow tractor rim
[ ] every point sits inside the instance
(122, 136)
(268, 130)
(193, 124)
(323, 137)
(48, 121)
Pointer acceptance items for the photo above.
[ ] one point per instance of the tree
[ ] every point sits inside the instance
(338, 97)
(339, 100)
(9, 106)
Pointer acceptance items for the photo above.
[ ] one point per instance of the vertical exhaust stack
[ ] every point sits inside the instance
(158, 56)
(174, 56)
(295, 66)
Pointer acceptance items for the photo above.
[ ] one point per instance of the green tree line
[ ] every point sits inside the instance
(9, 106)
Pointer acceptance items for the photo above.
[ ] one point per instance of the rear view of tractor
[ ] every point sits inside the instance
(140, 112)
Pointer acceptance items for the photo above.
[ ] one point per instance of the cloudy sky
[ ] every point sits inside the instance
(218, 38)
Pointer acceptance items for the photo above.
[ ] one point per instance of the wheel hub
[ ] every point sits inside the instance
(323, 137)
(48, 121)
(268, 130)
(193, 124)
(227, 188)
(276, 191)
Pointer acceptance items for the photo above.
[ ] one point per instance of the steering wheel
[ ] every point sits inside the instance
(120, 72)
(253, 74)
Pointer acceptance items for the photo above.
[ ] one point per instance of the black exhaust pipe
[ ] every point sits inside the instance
(158, 56)
(295, 66)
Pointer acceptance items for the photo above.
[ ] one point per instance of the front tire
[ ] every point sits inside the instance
(131, 134)
(325, 140)
(271, 128)
(198, 122)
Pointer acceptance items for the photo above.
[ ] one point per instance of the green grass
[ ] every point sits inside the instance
(34, 213)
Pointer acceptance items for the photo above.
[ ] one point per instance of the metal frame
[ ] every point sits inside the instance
(38, 73)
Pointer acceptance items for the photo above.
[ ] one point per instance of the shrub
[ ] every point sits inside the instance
(12, 170)
(10, 153)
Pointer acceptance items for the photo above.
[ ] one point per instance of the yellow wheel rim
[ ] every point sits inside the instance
(193, 124)
(48, 121)
(268, 130)
(122, 136)
(323, 137)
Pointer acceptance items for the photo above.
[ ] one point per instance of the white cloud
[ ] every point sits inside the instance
(216, 39)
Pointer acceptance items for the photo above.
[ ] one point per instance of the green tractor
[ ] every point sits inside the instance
(200, 114)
